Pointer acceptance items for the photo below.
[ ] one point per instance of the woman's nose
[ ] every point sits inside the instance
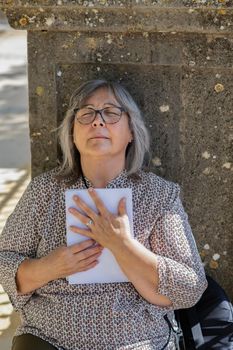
(98, 121)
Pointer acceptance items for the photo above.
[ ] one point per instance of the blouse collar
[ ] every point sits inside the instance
(119, 180)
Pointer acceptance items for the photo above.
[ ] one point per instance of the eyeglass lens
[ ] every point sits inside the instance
(110, 115)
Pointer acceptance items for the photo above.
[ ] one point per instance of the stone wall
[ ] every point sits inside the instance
(175, 57)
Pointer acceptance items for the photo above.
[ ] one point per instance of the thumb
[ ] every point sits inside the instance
(122, 207)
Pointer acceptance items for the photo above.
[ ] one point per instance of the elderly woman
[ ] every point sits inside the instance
(104, 142)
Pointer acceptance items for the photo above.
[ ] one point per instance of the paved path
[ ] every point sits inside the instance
(14, 139)
(14, 147)
(12, 184)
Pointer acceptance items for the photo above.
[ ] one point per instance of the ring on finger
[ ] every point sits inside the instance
(90, 223)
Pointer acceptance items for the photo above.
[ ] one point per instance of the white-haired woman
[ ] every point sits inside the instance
(104, 141)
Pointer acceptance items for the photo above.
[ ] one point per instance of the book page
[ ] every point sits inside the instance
(107, 270)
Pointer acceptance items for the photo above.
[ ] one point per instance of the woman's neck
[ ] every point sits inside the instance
(100, 172)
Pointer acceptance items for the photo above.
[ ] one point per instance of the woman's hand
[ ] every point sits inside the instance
(59, 263)
(65, 261)
(107, 229)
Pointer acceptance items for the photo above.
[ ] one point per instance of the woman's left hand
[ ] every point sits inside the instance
(107, 229)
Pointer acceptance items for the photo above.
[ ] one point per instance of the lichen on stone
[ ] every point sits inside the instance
(49, 21)
(207, 171)
(219, 87)
(39, 90)
(205, 155)
(216, 257)
(156, 161)
(226, 165)
(164, 108)
(23, 21)
(213, 264)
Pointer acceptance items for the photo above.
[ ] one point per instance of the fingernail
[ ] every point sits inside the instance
(90, 189)
(75, 197)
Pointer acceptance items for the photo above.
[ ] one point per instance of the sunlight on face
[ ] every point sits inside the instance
(98, 139)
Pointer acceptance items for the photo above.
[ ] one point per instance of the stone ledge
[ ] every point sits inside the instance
(119, 19)
(121, 3)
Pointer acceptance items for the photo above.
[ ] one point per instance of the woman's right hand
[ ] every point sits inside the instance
(59, 263)
(65, 261)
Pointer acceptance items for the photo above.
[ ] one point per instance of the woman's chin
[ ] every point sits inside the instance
(99, 151)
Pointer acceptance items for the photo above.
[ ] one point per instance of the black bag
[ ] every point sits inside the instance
(208, 324)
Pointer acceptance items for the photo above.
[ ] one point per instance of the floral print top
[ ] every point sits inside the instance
(111, 316)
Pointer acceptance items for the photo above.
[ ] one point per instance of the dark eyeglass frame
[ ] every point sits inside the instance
(100, 112)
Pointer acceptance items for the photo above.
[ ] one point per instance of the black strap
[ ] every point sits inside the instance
(198, 334)
(227, 331)
(195, 328)
(170, 330)
(177, 333)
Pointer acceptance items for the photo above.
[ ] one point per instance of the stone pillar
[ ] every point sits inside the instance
(175, 57)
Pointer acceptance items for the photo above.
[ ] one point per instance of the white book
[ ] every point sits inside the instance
(107, 270)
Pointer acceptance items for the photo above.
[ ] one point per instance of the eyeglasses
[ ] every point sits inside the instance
(109, 115)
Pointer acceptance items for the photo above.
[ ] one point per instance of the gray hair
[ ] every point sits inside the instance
(136, 150)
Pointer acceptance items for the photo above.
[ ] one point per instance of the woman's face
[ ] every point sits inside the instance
(99, 139)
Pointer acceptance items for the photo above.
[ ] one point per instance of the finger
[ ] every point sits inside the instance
(87, 253)
(88, 267)
(90, 251)
(122, 207)
(90, 259)
(98, 202)
(82, 231)
(81, 204)
(84, 219)
(78, 247)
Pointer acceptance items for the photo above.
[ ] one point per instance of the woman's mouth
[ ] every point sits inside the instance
(99, 137)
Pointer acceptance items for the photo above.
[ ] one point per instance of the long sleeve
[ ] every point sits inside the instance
(181, 274)
(18, 241)
(59, 312)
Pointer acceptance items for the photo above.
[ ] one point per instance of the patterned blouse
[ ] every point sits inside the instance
(108, 316)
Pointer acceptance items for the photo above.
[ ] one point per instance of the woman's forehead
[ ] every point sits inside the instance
(101, 95)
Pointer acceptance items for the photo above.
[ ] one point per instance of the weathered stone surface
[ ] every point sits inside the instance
(121, 3)
(175, 57)
(206, 175)
(115, 16)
